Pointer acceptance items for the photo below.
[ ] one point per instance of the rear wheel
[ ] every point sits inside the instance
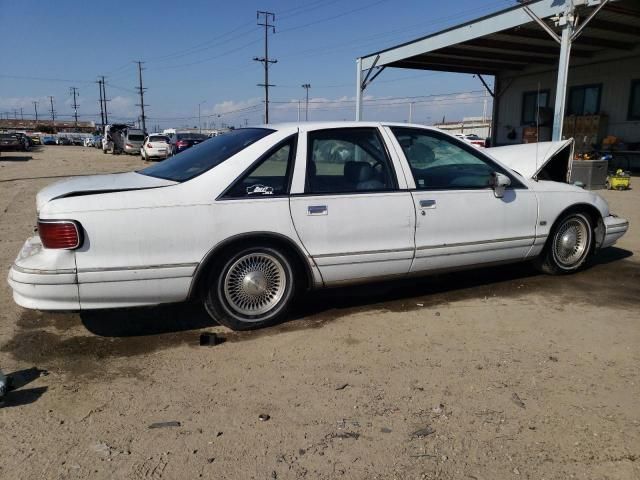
(252, 287)
(569, 245)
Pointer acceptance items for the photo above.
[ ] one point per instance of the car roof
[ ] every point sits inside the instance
(341, 124)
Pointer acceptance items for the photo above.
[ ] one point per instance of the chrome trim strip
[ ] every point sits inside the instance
(368, 252)
(139, 267)
(483, 242)
(33, 271)
(366, 261)
(449, 254)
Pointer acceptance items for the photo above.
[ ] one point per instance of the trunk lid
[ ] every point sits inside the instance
(94, 184)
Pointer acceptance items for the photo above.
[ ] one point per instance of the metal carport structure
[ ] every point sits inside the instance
(534, 33)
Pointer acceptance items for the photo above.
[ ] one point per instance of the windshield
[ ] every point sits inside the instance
(206, 155)
(158, 138)
(135, 137)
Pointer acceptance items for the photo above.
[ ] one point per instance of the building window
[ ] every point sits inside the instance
(531, 103)
(584, 100)
(634, 101)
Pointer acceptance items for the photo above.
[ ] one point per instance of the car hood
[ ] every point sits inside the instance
(94, 184)
(542, 160)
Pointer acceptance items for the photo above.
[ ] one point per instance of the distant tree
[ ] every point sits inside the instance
(44, 128)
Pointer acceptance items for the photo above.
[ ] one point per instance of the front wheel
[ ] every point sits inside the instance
(250, 288)
(569, 245)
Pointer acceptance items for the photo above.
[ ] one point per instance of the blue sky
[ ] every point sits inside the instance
(201, 51)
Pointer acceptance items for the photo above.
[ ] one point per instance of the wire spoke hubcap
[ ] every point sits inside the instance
(571, 242)
(254, 284)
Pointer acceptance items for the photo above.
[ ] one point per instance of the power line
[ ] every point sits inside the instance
(265, 60)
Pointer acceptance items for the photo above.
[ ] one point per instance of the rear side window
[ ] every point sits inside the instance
(346, 160)
(270, 176)
(206, 155)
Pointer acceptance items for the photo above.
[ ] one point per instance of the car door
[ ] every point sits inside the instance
(460, 221)
(350, 209)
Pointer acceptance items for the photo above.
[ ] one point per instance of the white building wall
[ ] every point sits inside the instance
(615, 75)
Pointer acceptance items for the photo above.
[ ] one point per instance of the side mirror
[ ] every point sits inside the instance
(499, 183)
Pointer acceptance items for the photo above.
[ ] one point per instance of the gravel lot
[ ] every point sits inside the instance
(490, 374)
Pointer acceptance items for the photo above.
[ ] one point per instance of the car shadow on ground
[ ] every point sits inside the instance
(15, 157)
(329, 304)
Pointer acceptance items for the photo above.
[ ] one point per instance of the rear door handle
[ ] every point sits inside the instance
(317, 210)
(427, 204)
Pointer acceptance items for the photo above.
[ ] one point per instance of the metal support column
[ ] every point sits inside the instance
(561, 84)
(358, 89)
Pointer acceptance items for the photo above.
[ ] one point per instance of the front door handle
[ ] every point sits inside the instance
(427, 204)
(317, 210)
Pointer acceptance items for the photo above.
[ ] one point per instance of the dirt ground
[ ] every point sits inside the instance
(491, 374)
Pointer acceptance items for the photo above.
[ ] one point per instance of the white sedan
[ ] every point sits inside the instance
(247, 220)
(155, 146)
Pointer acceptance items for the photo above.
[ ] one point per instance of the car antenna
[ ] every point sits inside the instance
(537, 128)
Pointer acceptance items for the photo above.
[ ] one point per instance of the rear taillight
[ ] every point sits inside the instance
(129, 145)
(63, 234)
(149, 145)
(181, 143)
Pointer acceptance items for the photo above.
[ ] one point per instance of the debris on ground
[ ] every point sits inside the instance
(423, 432)
(516, 399)
(342, 386)
(263, 417)
(172, 423)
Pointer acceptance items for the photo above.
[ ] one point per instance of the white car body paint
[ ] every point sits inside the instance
(146, 238)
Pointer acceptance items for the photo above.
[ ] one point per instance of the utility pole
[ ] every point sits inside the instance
(74, 91)
(35, 107)
(306, 86)
(265, 60)
(99, 82)
(21, 114)
(410, 112)
(53, 113)
(104, 99)
(141, 91)
(199, 122)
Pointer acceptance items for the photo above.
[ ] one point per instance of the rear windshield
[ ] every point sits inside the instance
(191, 136)
(8, 135)
(135, 137)
(206, 155)
(158, 138)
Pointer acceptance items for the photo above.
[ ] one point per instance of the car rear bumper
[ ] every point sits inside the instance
(615, 227)
(44, 279)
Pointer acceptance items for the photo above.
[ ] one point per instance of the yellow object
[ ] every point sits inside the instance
(619, 181)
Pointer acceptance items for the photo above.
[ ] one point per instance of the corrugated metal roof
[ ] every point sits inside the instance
(510, 40)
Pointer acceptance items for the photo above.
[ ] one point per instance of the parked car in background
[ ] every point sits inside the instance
(182, 141)
(97, 141)
(35, 140)
(11, 142)
(471, 138)
(47, 140)
(133, 139)
(77, 140)
(63, 141)
(155, 146)
(247, 220)
(25, 141)
(88, 142)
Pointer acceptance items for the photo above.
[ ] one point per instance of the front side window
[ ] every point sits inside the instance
(269, 177)
(197, 160)
(438, 162)
(348, 160)
(584, 100)
(532, 102)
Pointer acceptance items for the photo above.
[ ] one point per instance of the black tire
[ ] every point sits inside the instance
(230, 283)
(569, 245)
